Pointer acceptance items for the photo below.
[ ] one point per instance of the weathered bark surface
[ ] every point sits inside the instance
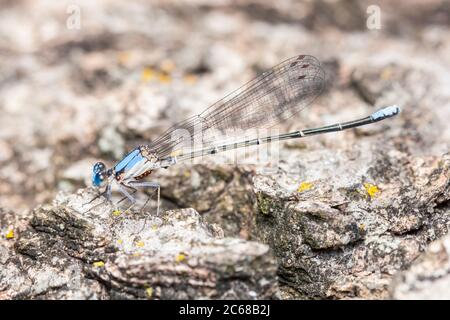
(66, 254)
(428, 277)
(344, 215)
(343, 242)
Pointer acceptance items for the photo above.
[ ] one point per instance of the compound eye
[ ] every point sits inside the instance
(98, 167)
(98, 179)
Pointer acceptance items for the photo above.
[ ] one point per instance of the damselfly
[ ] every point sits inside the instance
(269, 99)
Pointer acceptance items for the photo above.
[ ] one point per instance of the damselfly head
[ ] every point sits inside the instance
(99, 174)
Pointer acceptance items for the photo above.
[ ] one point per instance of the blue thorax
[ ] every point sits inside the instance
(129, 161)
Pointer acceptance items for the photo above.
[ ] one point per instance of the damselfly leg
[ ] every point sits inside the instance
(107, 197)
(137, 184)
(154, 185)
(133, 185)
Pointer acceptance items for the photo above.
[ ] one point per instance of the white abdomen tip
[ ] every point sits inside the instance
(386, 112)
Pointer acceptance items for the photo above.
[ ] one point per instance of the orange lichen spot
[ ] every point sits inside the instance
(149, 292)
(386, 74)
(187, 174)
(123, 57)
(164, 78)
(10, 234)
(140, 244)
(190, 78)
(98, 264)
(371, 189)
(305, 186)
(167, 65)
(180, 257)
(147, 74)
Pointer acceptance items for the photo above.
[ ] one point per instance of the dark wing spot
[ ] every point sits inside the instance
(305, 66)
(301, 77)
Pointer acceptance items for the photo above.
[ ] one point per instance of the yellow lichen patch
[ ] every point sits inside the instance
(117, 212)
(187, 174)
(154, 227)
(190, 78)
(98, 264)
(149, 292)
(147, 74)
(120, 241)
(371, 189)
(180, 257)
(304, 186)
(167, 65)
(140, 244)
(176, 153)
(10, 234)
(164, 78)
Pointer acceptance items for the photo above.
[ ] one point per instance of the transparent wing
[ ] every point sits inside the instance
(269, 99)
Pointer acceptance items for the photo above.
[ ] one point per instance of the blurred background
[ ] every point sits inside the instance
(83, 81)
